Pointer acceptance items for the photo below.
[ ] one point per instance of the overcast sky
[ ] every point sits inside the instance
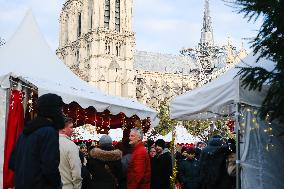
(163, 26)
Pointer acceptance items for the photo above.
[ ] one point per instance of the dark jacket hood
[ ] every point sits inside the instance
(215, 142)
(37, 123)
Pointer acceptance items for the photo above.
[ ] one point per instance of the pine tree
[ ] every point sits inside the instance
(2, 42)
(165, 123)
(269, 43)
(203, 129)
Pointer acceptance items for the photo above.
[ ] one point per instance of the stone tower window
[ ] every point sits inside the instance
(91, 9)
(88, 50)
(66, 30)
(79, 25)
(77, 54)
(107, 47)
(117, 49)
(117, 15)
(107, 14)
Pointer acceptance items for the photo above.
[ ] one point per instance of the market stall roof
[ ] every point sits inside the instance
(28, 57)
(217, 97)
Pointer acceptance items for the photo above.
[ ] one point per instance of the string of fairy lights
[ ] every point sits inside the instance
(255, 125)
(102, 121)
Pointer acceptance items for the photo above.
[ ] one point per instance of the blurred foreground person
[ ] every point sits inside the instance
(35, 159)
(139, 168)
(70, 163)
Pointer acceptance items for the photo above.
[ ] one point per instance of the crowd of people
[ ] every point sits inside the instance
(45, 157)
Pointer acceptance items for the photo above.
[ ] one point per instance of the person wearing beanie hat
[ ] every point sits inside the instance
(161, 143)
(49, 108)
(105, 165)
(105, 142)
(35, 158)
(161, 167)
(213, 163)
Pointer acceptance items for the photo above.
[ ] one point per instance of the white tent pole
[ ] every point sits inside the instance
(237, 130)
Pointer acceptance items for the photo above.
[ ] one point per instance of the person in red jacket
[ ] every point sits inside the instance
(139, 168)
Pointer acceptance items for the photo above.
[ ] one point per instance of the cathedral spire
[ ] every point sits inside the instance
(207, 31)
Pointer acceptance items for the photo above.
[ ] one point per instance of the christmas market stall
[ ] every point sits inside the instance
(28, 69)
(260, 147)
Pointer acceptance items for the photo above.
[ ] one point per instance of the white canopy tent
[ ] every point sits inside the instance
(262, 165)
(27, 56)
(215, 98)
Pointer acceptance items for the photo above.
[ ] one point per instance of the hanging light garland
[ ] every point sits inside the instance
(174, 171)
(255, 125)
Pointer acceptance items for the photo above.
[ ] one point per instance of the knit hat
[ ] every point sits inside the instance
(49, 101)
(105, 141)
(216, 140)
(50, 106)
(161, 143)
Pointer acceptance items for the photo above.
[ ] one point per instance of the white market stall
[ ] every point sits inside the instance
(181, 136)
(28, 58)
(261, 150)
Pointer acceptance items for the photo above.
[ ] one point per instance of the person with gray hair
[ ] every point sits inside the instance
(139, 168)
(138, 133)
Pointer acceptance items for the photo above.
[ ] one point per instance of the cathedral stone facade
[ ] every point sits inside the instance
(97, 43)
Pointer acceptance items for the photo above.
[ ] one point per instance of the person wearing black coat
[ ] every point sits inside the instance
(213, 164)
(161, 168)
(85, 173)
(35, 158)
(126, 149)
(105, 165)
(189, 171)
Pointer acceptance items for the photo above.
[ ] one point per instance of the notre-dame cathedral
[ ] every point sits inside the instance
(96, 42)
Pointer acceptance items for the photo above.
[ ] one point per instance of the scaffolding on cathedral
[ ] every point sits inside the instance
(212, 60)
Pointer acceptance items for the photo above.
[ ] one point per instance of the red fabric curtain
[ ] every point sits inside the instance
(15, 125)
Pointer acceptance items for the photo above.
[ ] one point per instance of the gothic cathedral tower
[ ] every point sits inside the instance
(97, 43)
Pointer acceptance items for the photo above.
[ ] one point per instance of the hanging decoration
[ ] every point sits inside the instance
(15, 125)
(103, 121)
(231, 125)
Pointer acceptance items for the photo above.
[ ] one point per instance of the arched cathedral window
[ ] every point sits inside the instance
(107, 14)
(107, 47)
(66, 30)
(117, 49)
(77, 54)
(117, 15)
(91, 10)
(79, 24)
(88, 50)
